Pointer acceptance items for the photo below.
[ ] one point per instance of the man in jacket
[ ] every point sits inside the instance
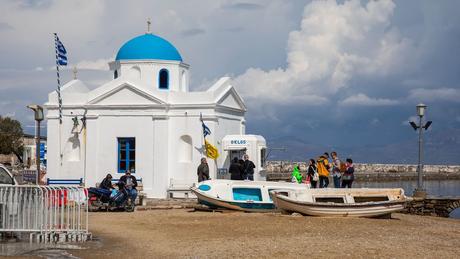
(235, 170)
(129, 183)
(203, 170)
(248, 168)
(323, 170)
(106, 183)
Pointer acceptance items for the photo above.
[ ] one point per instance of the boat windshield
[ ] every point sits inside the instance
(247, 194)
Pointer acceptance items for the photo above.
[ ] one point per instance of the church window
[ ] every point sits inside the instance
(163, 79)
(126, 154)
(115, 74)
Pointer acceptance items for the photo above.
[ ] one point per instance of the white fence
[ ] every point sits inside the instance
(47, 213)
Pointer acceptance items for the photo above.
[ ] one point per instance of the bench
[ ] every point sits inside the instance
(179, 186)
(50, 181)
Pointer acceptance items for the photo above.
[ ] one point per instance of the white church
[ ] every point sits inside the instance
(146, 120)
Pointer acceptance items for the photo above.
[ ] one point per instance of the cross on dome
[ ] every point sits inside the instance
(148, 26)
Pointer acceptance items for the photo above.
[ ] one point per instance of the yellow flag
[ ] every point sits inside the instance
(211, 151)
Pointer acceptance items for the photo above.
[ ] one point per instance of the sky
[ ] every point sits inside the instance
(316, 75)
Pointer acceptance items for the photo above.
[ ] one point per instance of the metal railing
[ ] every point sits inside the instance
(47, 213)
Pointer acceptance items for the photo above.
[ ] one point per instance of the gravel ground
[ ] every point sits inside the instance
(180, 233)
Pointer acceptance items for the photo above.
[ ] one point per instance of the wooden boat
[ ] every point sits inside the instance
(359, 202)
(249, 196)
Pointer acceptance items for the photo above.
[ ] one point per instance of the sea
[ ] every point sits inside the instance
(433, 188)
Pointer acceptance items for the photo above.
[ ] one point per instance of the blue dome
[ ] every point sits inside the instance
(148, 46)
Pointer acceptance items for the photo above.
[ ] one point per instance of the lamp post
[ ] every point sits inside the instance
(38, 115)
(420, 191)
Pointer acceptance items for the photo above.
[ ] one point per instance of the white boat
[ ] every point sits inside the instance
(359, 202)
(250, 196)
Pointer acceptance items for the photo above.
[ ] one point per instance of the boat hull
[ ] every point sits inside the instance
(311, 209)
(213, 202)
(248, 196)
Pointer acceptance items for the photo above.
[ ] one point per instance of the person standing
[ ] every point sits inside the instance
(336, 169)
(248, 168)
(129, 183)
(235, 170)
(349, 175)
(323, 170)
(296, 174)
(312, 173)
(203, 170)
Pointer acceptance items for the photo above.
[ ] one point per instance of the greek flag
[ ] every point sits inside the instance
(206, 130)
(61, 60)
(61, 53)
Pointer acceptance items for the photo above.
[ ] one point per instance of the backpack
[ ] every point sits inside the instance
(343, 167)
(315, 175)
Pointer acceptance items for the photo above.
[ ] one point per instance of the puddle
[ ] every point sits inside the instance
(22, 248)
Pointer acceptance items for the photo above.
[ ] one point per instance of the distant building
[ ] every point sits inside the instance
(145, 120)
(28, 154)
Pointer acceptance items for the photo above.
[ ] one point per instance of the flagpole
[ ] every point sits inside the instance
(204, 151)
(58, 78)
(59, 95)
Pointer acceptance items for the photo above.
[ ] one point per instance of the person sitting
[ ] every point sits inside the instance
(106, 184)
(235, 170)
(348, 176)
(128, 182)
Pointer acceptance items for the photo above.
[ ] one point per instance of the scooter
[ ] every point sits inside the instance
(102, 199)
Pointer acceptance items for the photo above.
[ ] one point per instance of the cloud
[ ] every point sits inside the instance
(431, 95)
(192, 32)
(335, 43)
(243, 6)
(98, 64)
(364, 100)
(35, 4)
(5, 26)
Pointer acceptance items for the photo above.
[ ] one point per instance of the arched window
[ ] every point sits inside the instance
(115, 74)
(163, 79)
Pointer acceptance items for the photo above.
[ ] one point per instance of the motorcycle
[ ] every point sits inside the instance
(102, 199)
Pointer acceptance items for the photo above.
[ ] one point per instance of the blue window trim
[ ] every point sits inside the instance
(167, 79)
(127, 159)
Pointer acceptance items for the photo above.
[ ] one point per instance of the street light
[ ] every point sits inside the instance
(420, 192)
(38, 116)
